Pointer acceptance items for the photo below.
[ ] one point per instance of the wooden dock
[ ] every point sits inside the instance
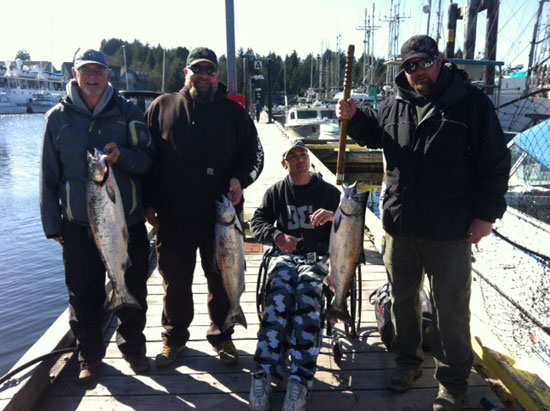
(197, 380)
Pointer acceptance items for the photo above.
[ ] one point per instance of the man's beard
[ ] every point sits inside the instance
(424, 88)
(201, 96)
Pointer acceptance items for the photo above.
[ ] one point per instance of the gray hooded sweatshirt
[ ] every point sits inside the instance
(71, 131)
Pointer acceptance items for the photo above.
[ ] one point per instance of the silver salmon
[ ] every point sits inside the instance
(346, 248)
(230, 259)
(108, 225)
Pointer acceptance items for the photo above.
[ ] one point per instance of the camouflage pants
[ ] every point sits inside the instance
(293, 318)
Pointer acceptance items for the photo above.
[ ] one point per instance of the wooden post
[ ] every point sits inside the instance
(470, 21)
(451, 30)
(341, 162)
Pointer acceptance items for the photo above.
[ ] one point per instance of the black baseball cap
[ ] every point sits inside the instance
(419, 46)
(292, 145)
(90, 56)
(200, 54)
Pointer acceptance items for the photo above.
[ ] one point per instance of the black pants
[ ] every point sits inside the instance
(177, 245)
(85, 279)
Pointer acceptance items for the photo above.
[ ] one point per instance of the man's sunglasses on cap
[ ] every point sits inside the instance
(425, 63)
(203, 70)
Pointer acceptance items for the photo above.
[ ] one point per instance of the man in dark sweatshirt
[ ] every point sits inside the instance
(295, 215)
(208, 145)
(447, 169)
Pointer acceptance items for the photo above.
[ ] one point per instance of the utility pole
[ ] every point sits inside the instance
(245, 85)
(230, 34)
(125, 66)
(163, 68)
(269, 103)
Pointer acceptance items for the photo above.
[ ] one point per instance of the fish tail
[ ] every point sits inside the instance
(235, 317)
(116, 301)
(338, 312)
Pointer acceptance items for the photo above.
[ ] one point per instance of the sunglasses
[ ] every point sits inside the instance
(203, 70)
(423, 64)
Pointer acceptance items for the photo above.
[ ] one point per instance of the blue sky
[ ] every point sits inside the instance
(55, 30)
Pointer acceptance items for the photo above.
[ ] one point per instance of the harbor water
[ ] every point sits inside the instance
(32, 286)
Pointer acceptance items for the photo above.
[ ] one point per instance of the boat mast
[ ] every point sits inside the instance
(368, 47)
(393, 42)
(534, 45)
(428, 9)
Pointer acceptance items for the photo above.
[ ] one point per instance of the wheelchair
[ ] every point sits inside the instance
(353, 303)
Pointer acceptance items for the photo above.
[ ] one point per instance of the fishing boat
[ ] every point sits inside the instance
(7, 107)
(42, 102)
(21, 82)
(304, 121)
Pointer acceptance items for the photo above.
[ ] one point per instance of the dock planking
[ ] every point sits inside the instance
(197, 380)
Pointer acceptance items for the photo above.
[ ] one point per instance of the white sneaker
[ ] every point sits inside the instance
(295, 397)
(260, 392)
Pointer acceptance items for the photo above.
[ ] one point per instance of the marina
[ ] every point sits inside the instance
(510, 321)
(199, 381)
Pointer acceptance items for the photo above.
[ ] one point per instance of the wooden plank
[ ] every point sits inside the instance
(329, 400)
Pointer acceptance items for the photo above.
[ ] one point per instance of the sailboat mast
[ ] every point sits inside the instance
(534, 44)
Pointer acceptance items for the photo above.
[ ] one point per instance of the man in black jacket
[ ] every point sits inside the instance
(447, 169)
(302, 207)
(208, 145)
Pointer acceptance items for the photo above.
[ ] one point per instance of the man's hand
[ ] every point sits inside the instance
(345, 110)
(59, 240)
(151, 216)
(113, 153)
(478, 229)
(285, 243)
(321, 217)
(235, 192)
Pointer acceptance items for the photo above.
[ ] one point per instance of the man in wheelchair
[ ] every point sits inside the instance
(295, 215)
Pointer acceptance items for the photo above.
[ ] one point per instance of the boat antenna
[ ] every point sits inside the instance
(74, 55)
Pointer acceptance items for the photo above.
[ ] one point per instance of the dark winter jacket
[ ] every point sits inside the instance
(290, 207)
(71, 131)
(444, 171)
(200, 148)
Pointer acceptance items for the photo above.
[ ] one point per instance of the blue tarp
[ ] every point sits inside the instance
(536, 142)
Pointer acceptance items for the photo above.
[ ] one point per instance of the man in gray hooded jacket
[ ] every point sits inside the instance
(92, 116)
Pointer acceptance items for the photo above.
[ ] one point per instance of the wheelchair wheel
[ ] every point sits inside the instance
(261, 284)
(355, 305)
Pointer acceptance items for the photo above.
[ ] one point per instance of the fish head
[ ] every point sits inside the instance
(97, 166)
(225, 212)
(354, 198)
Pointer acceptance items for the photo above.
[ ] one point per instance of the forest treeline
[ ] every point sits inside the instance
(313, 71)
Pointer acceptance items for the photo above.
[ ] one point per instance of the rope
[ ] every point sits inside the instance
(35, 360)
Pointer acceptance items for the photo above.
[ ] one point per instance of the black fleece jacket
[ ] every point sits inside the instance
(290, 207)
(200, 148)
(444, 171)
